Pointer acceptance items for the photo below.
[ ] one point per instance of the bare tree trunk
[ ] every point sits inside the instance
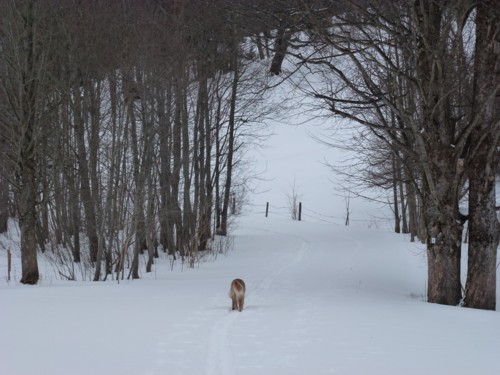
(484, 228)
(395, 184)
(205, 201)
(197, 150)
(150, 225)
(94, 108)
(139, 220)
(280, 47)
(164, 115)
(189, 219)
(260, 47)
(72, 182)
(174, 210)
(443, 253)
(43, 205)
(75, 213)
(60, 223)
(207, 207)
(27, 186)
(109, 217)
(230, 147)
(402, 197)
(26, 95)
(85, 191)
(100, 251)
(4, 203)
(412, 210)
(27, 210)
(218, 158)
(148, 174)
(440, 191)
(422, 231)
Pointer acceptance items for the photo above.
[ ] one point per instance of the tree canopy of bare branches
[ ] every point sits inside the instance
(423, 77)
(122, 124)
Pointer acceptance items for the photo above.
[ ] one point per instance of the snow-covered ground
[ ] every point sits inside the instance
(321, 299)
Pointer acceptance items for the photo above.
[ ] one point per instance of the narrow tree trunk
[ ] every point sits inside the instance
(280, 47)
(43, 206)
(75, 213)
(217, 167)
(197, 134)
(397, 227)
(94, 108)
(174, 210)
(189, 220)
(139, 220)
(4, 204)
(207, 208)
(402, 197)
(412, 210)
(100, 251)
(230, 148)
(150, 226)
(86, 194)
(70, 176)
(148, 175)
(110, 220)
(60, 223)
(164, 113)
(422, 233)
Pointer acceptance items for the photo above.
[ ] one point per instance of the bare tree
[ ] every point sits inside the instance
(129, 119)
(378, 59)
(293, 197)
(25, 80)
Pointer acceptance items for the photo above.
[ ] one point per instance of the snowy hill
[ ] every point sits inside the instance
(321, 299)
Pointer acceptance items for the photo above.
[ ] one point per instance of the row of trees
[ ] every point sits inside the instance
(423, 79)
(122, 124)
(123, 120)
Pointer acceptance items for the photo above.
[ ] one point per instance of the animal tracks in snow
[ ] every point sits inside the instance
(219, 359)
(220, 356)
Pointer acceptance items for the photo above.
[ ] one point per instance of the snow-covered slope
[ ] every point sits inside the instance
(321, 299)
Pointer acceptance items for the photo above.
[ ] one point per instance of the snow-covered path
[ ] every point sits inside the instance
(321, 299)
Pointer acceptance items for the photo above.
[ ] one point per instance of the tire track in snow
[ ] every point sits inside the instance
(219, 361)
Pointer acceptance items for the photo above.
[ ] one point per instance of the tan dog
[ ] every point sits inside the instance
(237, 294)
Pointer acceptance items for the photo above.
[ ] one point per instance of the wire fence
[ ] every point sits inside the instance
(310, 215)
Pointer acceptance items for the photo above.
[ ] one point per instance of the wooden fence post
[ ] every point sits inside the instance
(9, 263)
(300, 211)
(233, 205)
(267, 208)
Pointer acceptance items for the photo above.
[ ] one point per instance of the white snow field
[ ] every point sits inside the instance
(321, 299)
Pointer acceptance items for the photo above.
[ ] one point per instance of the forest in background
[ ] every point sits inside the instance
(124, 123)
(123, 126)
